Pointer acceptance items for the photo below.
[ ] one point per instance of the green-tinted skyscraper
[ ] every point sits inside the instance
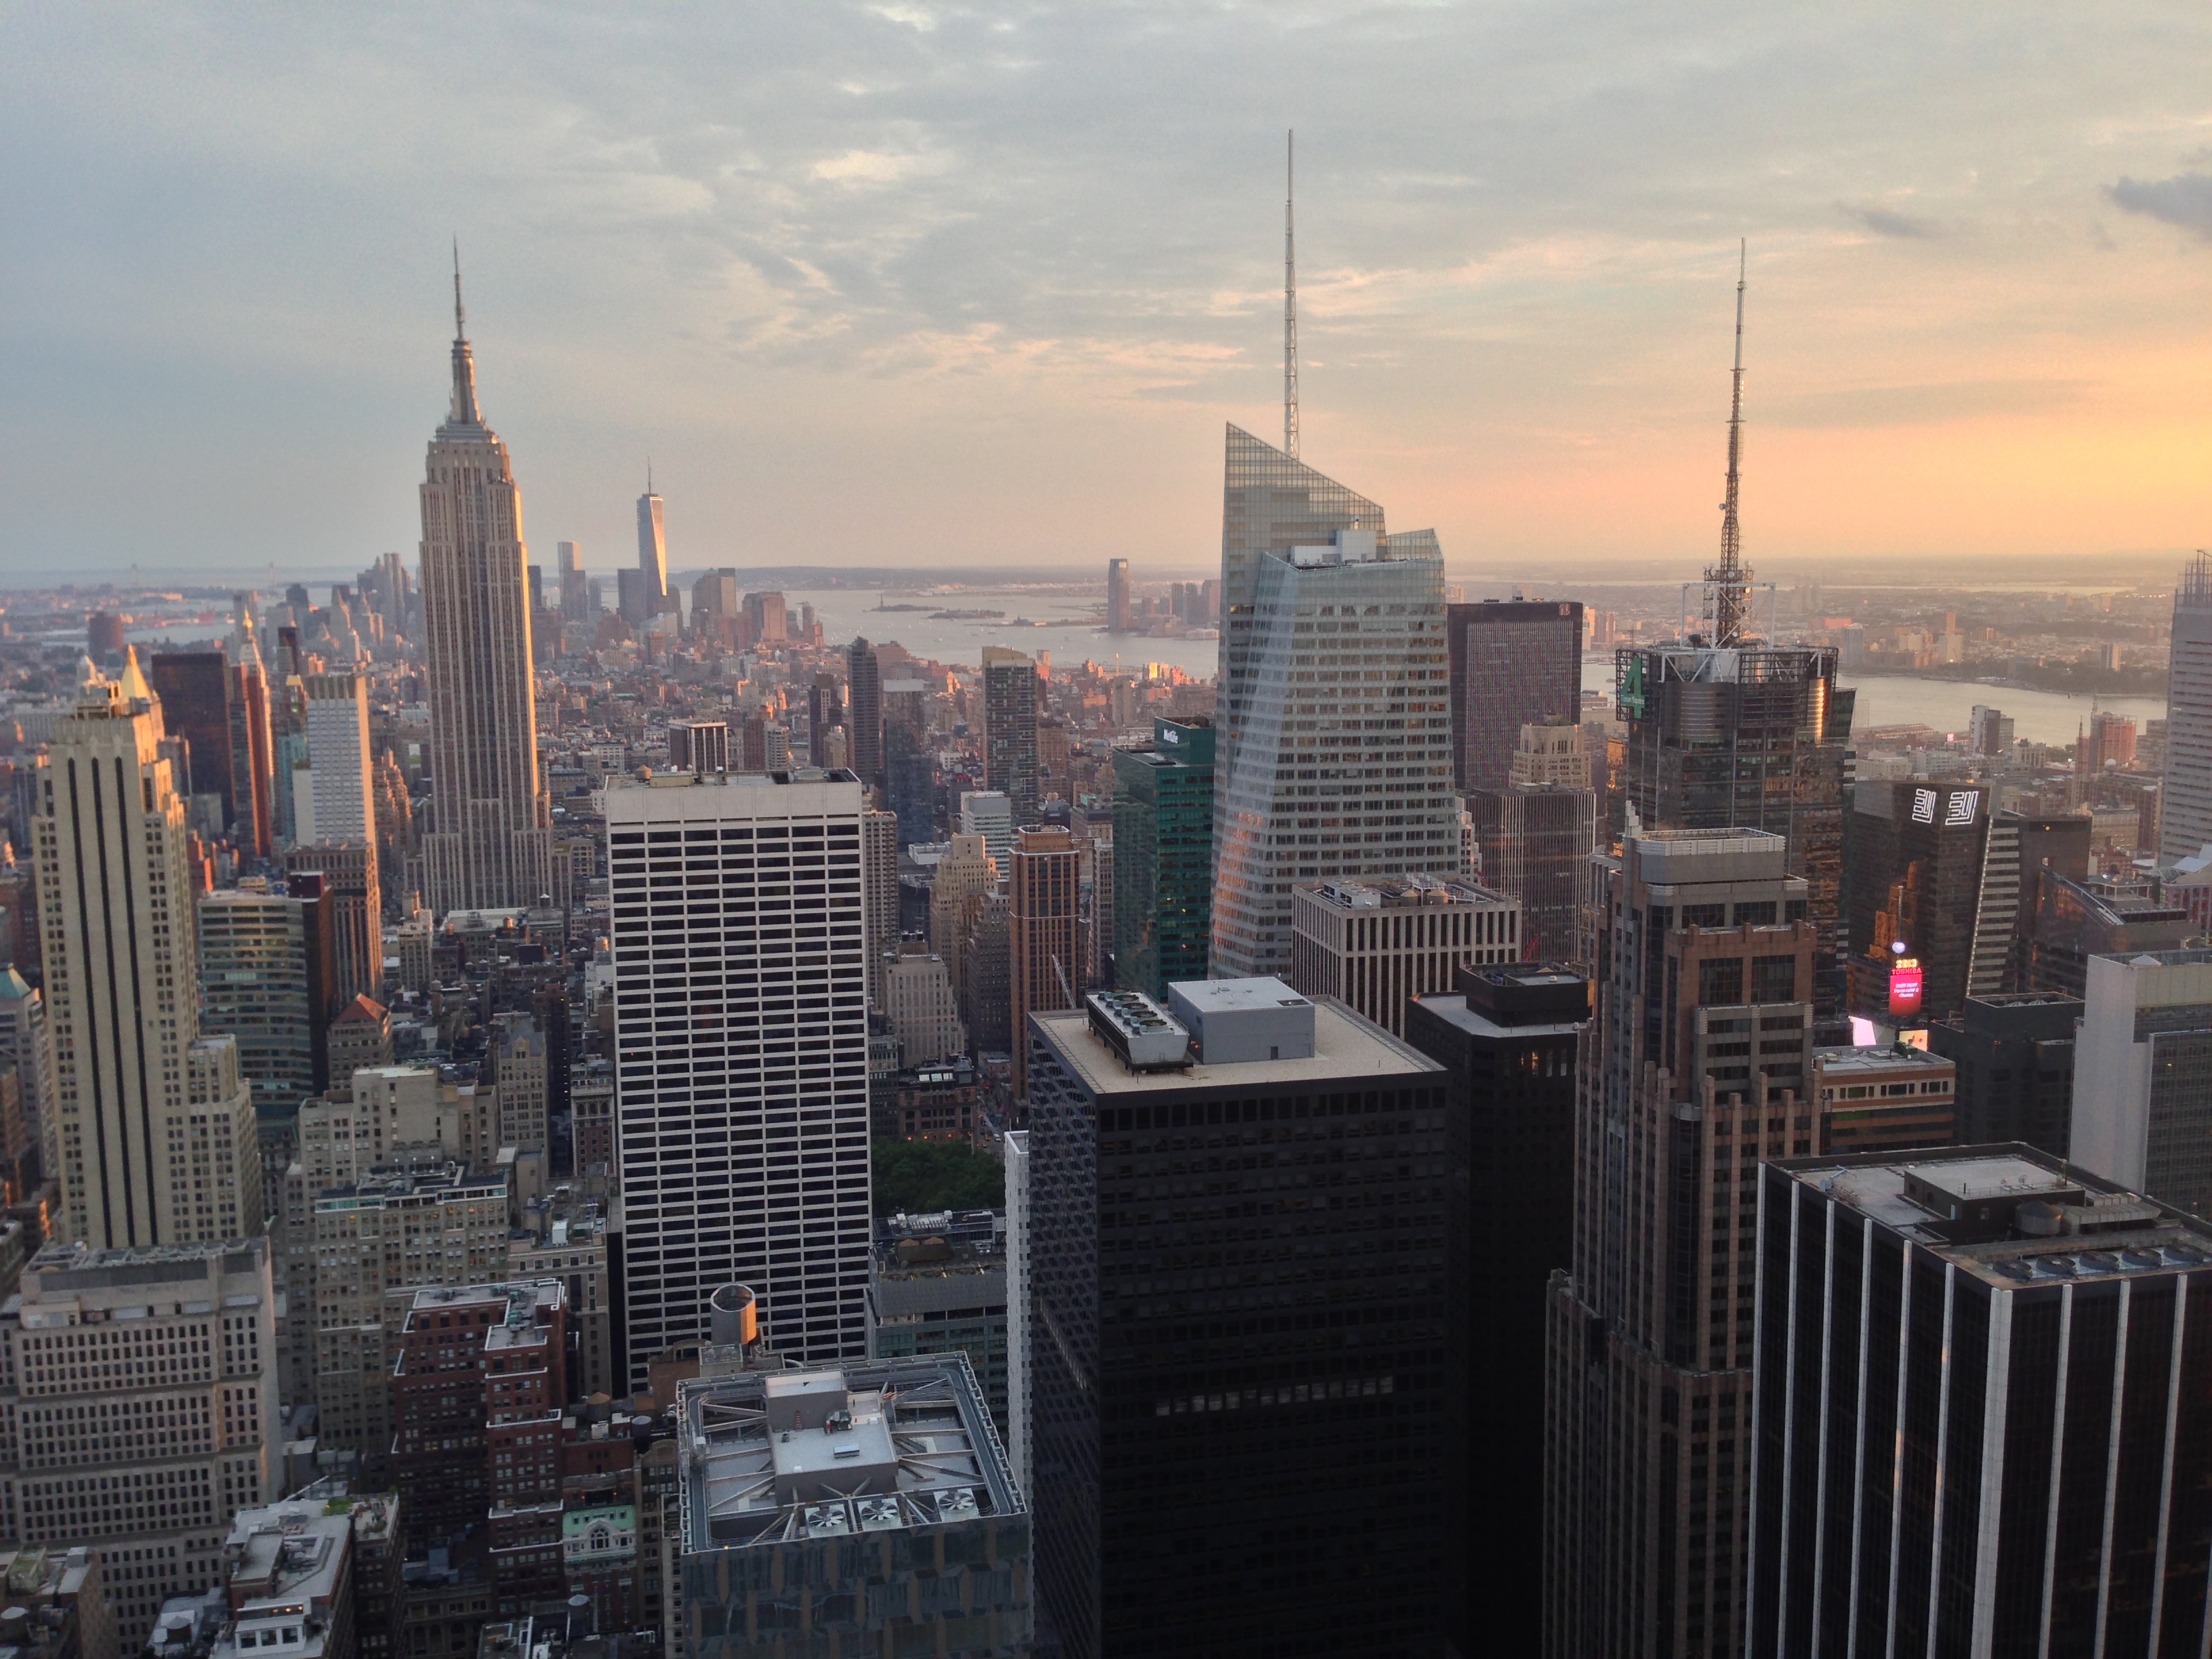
(1164, 857)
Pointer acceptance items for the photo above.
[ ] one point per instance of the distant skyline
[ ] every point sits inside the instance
(916, 284)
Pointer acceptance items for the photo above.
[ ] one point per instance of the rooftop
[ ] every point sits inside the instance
(1452, 1008)
(911, 1291)
(1345, 1046)
(283, 1555)
(2010, 1214)
(875, 1447)
(523, 1299)
(1401, 892)
(1874, 1061)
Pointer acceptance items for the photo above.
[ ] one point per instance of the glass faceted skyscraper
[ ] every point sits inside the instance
(2185, 820)
(1333, 757)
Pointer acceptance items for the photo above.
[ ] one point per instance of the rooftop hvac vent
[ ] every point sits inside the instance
(1144, 1035)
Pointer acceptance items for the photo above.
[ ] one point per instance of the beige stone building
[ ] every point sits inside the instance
(115, 905)
(138, 1410)
(517, 1054)
(922, 1006)
(967, 870)
(1551, 754)
(413, 1224)
(564, 1236)
(1377, 945)
(360, 1040)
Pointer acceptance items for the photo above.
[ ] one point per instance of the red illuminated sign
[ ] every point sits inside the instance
(1905, 985)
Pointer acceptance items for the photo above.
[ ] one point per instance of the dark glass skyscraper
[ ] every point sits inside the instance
(1510, 1036)
(1913, 852)
(1514, 663)
(1238, 1394)
(1163, 856)
(864, 714)
(2185, 819)
(1982, 1423)
(195, 688)
(1755, 736)
(1009, 730)
(1535, 841)
(910, 783)
(2014, 1052)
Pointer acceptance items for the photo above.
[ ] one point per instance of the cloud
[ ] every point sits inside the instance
(1883, 222)
(2185, 199)
(787, 235)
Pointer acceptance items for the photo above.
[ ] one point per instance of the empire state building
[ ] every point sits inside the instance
(490, 843)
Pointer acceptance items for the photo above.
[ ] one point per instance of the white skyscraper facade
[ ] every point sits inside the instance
(2185, 799)
(155, 1130)
(490, 842)
(741, 1036)
(344, 790)
(1339, 761)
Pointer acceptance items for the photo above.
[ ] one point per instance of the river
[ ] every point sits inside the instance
(844, 612)
(1884, 699)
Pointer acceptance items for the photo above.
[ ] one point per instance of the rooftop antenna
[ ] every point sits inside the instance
(1728, 584)
(460, 323)
(1290, 297)
(648, 475)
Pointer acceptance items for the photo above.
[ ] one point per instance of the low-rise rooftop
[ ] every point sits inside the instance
(879, 1446)
(1345, 1048)
(2010, 1214)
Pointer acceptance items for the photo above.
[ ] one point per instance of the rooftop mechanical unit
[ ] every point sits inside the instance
(1144, 1035)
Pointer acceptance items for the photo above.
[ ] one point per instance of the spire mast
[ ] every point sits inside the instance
(463, 409)
(1729, 582)
(1290, 297)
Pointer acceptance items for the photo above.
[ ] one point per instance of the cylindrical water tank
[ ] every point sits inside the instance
(733, 1317)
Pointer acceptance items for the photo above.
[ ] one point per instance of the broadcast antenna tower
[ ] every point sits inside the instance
(1290, 299)
(1727, 585)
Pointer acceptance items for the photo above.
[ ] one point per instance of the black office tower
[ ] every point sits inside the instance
(1011, 695)
(1981, 1425)
(194, 687)
(1536, 841)
(1508, 1036)
(1912, 878)
(1513, 665)
(864, 714)
(910, 783)
(1237, 1272)
(2014, 1052)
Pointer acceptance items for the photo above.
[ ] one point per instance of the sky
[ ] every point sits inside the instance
(946, 285)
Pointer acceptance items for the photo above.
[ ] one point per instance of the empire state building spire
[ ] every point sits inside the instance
(490, 842)
(464, 410)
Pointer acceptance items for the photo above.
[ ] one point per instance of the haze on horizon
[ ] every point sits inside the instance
(911, 283)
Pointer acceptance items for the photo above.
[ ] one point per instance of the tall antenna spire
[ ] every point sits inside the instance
(648, 475)
(1290, 297)
(1729, 583)
(463, 411)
